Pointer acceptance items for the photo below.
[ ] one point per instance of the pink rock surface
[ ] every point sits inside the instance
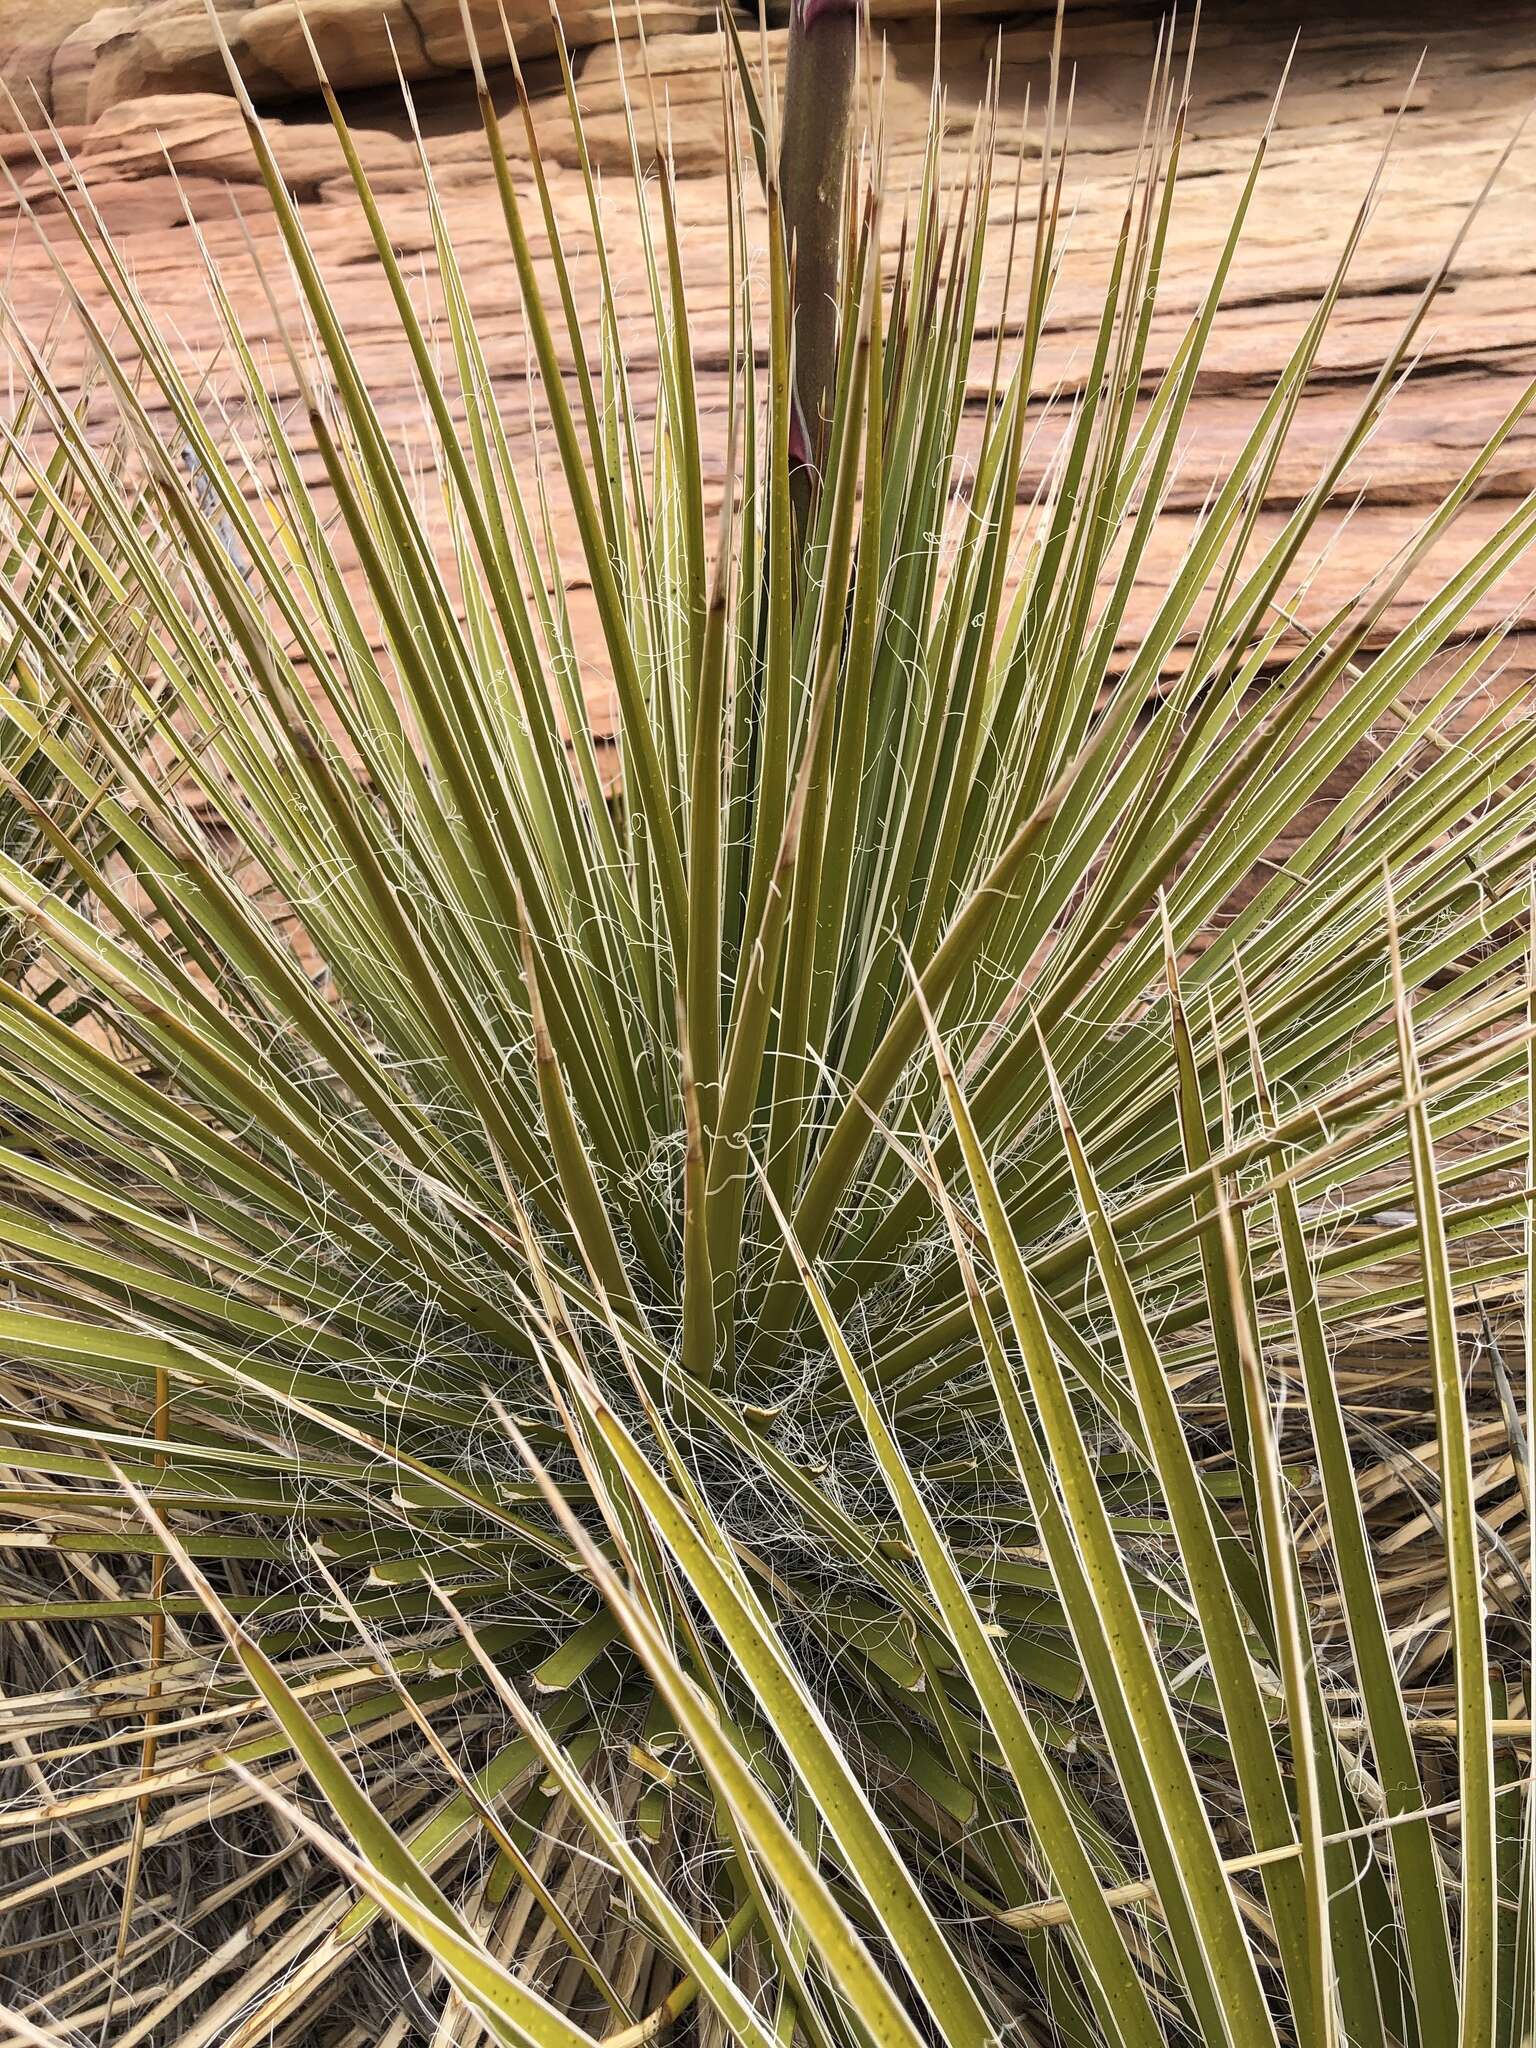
(1475, 355)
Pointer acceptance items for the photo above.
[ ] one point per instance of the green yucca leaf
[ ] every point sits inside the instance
(580, 1388)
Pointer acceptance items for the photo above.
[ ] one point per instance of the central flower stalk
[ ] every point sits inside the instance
(813, 176)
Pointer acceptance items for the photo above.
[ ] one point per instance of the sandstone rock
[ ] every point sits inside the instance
(1478, 351)
(685, 71)
(124, 157)
(19, 150)
(203, 136)
(32, 35)
(82, 59)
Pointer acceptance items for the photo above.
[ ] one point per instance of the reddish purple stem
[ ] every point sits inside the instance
(819, 82)
(809, 12)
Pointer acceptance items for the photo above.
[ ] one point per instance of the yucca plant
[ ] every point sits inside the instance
(36, 798)
(861, 1383)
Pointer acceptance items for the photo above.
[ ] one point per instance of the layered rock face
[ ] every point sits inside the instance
(1349, 78)
(80, 59)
